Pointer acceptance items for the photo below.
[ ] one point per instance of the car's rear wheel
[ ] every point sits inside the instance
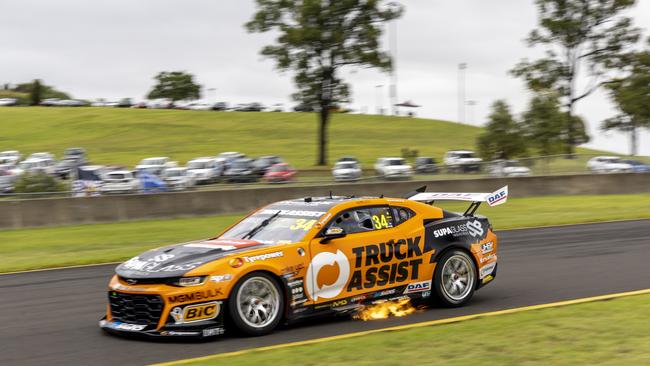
(256, 304)
(455, 278)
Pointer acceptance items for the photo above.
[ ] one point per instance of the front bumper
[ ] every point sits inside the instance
(152, 315)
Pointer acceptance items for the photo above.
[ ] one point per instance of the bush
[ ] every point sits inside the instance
(38, 183)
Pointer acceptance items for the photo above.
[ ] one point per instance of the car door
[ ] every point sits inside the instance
(373, 256)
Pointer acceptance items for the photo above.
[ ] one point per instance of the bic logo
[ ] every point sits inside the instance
(195, 313)
(314, 289)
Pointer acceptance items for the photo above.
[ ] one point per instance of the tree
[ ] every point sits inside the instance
(580, 36)
(35, 95)
(319, 37)
(544, 124)
(632, 97)
(503, 137)
(175, 85)
(45, 91)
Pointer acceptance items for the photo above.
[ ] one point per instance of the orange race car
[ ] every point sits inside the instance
(307, 257)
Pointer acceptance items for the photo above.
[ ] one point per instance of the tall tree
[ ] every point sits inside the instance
(581, 37)
(544, 124)
(319, 37)
(632, 96)
(175, 85)
(503, 137)
(35, 93)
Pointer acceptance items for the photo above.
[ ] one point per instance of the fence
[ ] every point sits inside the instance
(70, 211)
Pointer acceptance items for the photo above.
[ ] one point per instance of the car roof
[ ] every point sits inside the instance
(203, 159)
(461, 151)
(119, 172)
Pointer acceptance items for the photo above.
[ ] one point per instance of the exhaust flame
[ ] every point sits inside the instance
(386, 309)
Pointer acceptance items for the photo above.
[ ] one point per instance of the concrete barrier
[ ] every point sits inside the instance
(71, 211)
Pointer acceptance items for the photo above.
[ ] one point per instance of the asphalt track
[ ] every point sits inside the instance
(50, 317)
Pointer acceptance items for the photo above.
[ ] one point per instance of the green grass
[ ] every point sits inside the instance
(611, 332)
(100, 243)
(125, 136)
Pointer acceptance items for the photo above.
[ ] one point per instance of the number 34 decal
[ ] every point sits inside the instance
(380, 222)
(303, 224)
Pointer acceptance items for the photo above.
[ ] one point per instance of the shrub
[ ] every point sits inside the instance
(38, 183)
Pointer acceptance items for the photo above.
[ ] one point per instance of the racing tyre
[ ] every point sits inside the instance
(256, 304)
(454, 280)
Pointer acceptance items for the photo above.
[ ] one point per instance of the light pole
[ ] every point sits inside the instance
(380, 107)
(461, 92)
(471, 104)
(392, 42)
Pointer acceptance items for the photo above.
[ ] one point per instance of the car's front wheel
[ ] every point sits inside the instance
(454, 280)
(256, 304)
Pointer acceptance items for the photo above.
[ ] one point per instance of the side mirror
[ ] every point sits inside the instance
(332, 232)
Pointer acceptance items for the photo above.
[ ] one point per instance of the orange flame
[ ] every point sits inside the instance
(386, 309)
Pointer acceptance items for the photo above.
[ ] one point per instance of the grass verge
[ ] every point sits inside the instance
(598, 333)
(101, 243)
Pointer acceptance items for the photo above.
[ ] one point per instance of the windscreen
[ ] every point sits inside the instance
(198, 165)
(289, 226)
(396, 162)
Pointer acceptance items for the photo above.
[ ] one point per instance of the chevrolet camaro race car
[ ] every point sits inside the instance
(307, 257)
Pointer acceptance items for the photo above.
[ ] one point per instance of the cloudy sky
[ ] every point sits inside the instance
(112, 49)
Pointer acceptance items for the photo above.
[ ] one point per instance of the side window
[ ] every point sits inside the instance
(365, 219)
(401, 214)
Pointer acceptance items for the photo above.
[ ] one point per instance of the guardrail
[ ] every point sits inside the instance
(71, 211)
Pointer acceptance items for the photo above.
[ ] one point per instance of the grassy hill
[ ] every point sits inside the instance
(125, 136)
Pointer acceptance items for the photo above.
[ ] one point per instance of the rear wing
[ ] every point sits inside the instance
(493, 199)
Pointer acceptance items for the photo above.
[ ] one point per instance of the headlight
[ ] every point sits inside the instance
(190, 281)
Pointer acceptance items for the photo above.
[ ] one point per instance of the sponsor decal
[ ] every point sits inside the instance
(384, 293)
(359, 298)
(314, 290)
(120, 287)
(487, 279)
(195, 313)
(338, 303)
(426, 294)
(498, 197)
(487, 270)
(373, 265)
(298, 213)
(195, 296)
(127, 326)
(475, 228)
(488, 258)
(296, 283)
(263, 257)
(291, 271)
(298, 302)
(210, 332)
(418, 287)
(487, 247)
(221, 278)
(151, 265)
(177, 333)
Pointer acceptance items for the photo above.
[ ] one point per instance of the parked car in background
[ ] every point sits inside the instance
(229, 156)
(240, 171)
(280, 173)
(151, 183)
(200, 106)
(220, 106)
(462, 161)
(178, 179)
(9, 158)
(36, 165)
(249, 107)
(8, 102)
(345, 171)
(41, 155)
(88, 180)
(507, 168)
(72, 158)
(119, 181)
(205, 170)
(263, 164)
(608, 164)
(155, 166)
(425, 165)
(393, 168)
(349, 159)
(637, 166)
(7, 180)
(162, 103)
